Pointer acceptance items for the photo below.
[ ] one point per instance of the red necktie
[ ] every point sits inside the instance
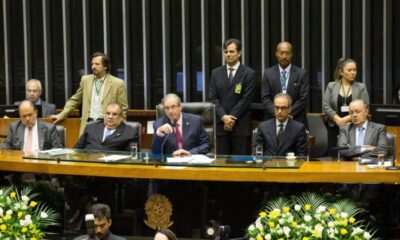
(28, 142)
(178, 135)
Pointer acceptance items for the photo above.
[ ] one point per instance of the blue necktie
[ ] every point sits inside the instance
(283, 79)
(360, 140)
(107, 133)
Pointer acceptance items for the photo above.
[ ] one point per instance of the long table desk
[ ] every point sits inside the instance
(313, 171)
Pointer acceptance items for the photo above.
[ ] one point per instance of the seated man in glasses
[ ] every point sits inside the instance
(361, 137)
(179, 133)
(281, 135)
(33, 93)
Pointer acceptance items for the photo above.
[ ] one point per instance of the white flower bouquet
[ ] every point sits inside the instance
(21, 217)
(309, 217)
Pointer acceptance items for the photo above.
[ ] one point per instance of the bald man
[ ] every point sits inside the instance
(287, 78)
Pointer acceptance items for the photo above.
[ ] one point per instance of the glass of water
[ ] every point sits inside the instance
(134, 151)
(259, 152)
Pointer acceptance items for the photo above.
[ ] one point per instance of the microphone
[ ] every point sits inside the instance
(89, 219)
(165, 140)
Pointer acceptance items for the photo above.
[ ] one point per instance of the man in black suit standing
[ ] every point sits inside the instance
(281, 135)
(232, 91)
(285, 77)
(109, 134)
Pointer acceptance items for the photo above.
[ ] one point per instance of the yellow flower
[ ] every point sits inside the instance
(352, 220)
(286, 209)
(274, 214)
(332, 211)
(3, 227)
(259, 237)
(24, 229)
(294, 224)
(19, 214)
(343, 231)
(280, 239)
(271, 224)
(307, 207)
(33, 238)
(305, 238)
(33, 204)
(263, 214)
(13, 194)
(32, 226)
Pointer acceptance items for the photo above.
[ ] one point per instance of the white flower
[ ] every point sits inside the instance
(9, 212)
(1, 192)
(25, 198)
(356, 231)
(280, 231)
(22, 222)
(43, 215)
(307, 218)
(331, 224)
(344, 214)
(290, 219)
(286, 231)
(281, 221)
(366, 235)
(321, 209)
(268, 236)
(297, 207)
(251, 227)
(319, 228)
(1, 212)
(259, 226)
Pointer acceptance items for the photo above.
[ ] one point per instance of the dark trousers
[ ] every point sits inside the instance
(233, 145)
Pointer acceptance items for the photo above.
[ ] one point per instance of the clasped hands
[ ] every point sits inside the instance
(229, 122)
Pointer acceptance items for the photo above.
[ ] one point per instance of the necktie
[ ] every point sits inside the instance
(283, 79)
(107, 133)
(178, 135)
(280, 133)
(360, 140)
(28, 142)
(230, 77)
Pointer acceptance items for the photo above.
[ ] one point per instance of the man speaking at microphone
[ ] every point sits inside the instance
(361, 137)
(179, 133)
(101, 224)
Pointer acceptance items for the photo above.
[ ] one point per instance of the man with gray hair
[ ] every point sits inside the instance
(33, 92)
(361, 136)
(281, 135)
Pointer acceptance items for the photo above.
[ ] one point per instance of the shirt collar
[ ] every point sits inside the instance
(235, 67)
(287, 69)
(284, 123)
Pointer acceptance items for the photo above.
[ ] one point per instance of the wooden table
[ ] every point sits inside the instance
(313, 171)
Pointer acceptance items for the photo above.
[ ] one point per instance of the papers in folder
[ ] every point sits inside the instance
(193, 159)
(58, 151)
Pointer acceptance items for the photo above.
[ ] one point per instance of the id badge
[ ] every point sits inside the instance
(344, 108)
(238, 88)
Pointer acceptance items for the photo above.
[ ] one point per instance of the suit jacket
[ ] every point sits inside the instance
(120, 140)
(47, 136)
(227, 101)
(375, 135)
(329, 100)
(294, 139)
(297, 88)
(47, 108)
(195, 139)
(114, 92)
(110, 237)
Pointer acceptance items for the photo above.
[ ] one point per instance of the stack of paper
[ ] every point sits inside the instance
(193, 159)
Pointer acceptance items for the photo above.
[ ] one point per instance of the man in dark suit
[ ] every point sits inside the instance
(369, 136)
(30, 134)
(182, 133)
(110, 134)
(232, 92)
(33, 91)
(285, 77)
(281, 135)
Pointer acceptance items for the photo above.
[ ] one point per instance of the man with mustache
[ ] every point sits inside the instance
(287, 78)
(95, 92)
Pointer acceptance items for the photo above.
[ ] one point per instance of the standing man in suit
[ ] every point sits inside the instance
(33, 91)
(182, 133)
(369, 136)
(30, 134)
(111, 134)
(232, 92)
(287, 78)
(281, 135)
(95, 92)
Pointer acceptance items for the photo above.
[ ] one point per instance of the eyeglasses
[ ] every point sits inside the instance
(277, 108)
(32, 90)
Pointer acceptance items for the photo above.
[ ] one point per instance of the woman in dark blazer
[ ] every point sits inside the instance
(339, 94)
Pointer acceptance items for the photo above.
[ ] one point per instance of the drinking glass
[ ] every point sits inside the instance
(134, 151)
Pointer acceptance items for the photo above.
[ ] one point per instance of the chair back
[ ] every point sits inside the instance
(318, 129)
(206, 110)
(391, 143)
(62, 135)
(137, 129)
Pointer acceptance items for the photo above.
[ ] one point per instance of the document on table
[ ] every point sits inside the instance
(193, 159)
(114, 158)
(58, 151)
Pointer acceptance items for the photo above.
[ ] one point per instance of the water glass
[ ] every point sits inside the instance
(134, 151)
(259, 151)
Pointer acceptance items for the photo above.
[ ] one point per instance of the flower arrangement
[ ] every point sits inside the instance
(308, 217)
(21, 217)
